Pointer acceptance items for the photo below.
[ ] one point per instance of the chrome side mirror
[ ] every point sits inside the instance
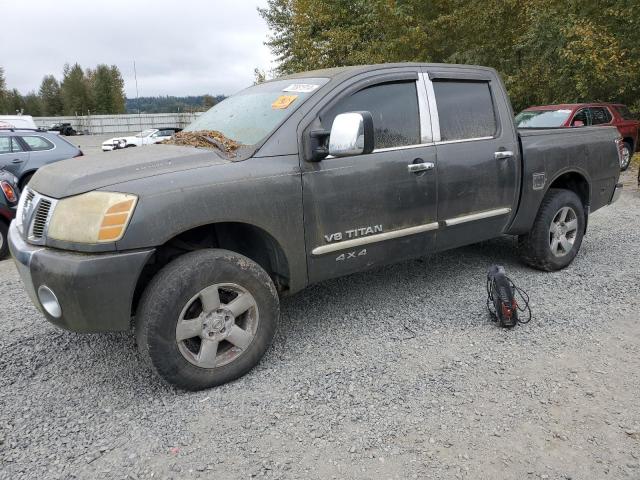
(351, 134)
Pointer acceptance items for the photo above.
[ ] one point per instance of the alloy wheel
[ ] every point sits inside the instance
(563, 231)
(217, 325)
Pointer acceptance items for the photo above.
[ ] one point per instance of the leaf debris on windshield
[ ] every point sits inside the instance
(204, 139)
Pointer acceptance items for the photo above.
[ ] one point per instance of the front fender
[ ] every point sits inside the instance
(263, 192)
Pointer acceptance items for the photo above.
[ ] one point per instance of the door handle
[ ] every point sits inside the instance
(503, 154)
(16, 160)
(420, 167)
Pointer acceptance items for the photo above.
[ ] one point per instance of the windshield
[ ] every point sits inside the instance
(249, 116)
(146, 133)
(542, 118)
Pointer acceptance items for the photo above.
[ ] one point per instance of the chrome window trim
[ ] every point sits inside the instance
(387, 149)
(426, 131)
(477, 216)
(462, 140)
(379, 237)
(433, 107)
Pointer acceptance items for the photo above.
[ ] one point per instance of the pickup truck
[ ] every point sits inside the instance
(318, 175)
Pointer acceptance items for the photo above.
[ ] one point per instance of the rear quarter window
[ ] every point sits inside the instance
(465, 109)
(37, 143)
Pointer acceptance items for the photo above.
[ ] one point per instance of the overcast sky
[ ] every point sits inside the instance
(185, 47)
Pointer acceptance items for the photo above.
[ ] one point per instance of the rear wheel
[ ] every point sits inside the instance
(557, 232)
(627, 154)
(207, 318)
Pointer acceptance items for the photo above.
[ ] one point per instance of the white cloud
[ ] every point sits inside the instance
(187, 47)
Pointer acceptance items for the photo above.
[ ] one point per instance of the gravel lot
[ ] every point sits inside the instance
(395, 373)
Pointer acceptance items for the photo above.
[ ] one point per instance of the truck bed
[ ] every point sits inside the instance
(553, 152)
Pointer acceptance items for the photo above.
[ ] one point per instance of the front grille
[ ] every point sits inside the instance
(27, 205)
(36, 213)
(40, 219)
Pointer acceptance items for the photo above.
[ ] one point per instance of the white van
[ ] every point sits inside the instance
(17, 121)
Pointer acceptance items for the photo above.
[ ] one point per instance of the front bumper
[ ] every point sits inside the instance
(617, 191)
(107, 148)
(94, 291)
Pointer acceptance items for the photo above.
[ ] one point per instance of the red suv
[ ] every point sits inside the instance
(581, 114)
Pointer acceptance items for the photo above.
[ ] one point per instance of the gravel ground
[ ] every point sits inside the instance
(394, 373)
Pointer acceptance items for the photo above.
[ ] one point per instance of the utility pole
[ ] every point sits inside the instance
(135, 75)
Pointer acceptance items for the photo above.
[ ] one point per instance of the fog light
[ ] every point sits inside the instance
(49, 301)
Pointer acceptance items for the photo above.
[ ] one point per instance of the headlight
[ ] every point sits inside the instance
(94, 217)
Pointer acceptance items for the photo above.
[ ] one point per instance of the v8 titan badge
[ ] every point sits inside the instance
(283, 101)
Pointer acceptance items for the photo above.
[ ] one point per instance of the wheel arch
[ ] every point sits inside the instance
(246, 239)
(25, 174)
(572, 180)
(576, 182)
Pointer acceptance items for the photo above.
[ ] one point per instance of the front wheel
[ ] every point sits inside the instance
(627, 154)
(557, 232)
(4, 246)
(207, 318)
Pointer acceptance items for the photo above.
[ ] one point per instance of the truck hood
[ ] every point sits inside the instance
(98, 170)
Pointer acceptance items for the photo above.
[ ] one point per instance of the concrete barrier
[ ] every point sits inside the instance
(126, 123)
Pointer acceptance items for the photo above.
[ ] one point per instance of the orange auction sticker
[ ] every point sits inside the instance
(283, 101)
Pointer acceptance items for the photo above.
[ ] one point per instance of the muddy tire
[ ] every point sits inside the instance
(207, 318)
(556, 236)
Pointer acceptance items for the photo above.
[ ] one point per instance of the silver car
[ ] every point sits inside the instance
(23, 151)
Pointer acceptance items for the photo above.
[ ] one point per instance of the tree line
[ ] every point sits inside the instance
(99, 90)
(172, 104)
(548, 51)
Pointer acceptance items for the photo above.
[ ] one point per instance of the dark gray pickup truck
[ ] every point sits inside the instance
(334, 172)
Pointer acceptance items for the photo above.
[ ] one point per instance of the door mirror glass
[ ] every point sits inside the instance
(351, 134)
(578, 123)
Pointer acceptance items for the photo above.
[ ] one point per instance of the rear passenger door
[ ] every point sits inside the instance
(478, 166)
(13, 157)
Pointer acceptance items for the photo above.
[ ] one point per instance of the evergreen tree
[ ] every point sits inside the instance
(32, 104)
(119, 98)
(76, 94)
(3, 93)
(15, 102)
(51, 96)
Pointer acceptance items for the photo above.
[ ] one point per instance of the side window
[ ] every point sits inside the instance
(465, 109)
(5, 145)
(583, 116)
(38, 143)
(15, 146)
(600, 115)
(394, 107)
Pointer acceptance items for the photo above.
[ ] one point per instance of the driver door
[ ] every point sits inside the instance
(366, 210)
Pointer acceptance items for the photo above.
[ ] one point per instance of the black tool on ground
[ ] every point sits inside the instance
(501, 299)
